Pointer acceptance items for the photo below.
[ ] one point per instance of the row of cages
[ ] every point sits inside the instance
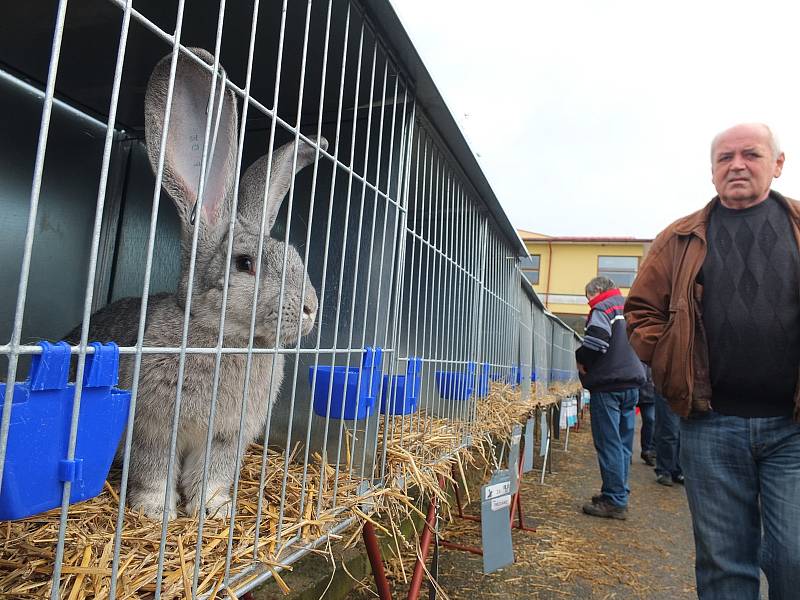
(237, 259)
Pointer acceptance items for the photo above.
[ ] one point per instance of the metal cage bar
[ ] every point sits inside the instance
(397, 244)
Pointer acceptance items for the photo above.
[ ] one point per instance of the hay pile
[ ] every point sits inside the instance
(421, 452)
(27, 547)
(564, 390)
(426, 448)
(502, 409)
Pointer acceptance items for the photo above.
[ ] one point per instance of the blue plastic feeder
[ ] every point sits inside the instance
(401, 398)
(454, 385)
(36, 464)
(483, 380)
(354, 389)
(515, 377)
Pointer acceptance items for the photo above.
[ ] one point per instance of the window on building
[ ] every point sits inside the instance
(620, 269)
(530, 267)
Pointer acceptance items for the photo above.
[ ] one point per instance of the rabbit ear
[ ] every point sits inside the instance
(186, 135)
(251, 187)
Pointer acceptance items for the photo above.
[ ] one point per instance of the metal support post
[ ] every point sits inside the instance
(459, 505)
(424, 546)
(376, 561)
(516, 501)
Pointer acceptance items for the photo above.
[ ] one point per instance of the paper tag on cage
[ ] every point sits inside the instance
(514, 456)
(501, 502)
(544, 434)
(527, 455)
(497, 490)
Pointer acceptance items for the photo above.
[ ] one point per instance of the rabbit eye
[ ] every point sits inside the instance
(244, 264)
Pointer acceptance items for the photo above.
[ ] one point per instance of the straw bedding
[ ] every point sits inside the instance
(420, 452)
(28, 546)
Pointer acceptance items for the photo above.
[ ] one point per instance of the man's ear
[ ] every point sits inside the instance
(779, 165)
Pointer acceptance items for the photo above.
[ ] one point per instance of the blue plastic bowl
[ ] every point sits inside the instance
(354, 389)
(454, 385)
(483, 380)
(401, 398)
(36, 464)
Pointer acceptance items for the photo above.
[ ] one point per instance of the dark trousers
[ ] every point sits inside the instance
(648, 412)
(667, 439)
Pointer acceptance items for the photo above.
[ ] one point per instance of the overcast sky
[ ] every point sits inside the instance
(595, 117)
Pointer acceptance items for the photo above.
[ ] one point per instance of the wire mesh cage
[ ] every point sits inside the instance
(560, 353)
(523, 375)
(242, 216)
(542, 354)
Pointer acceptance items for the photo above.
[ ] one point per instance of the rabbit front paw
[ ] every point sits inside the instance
(151, 505)
(218, 505)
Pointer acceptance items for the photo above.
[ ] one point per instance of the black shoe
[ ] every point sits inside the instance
(604, 509)
(649, 458)
(664, 480)
(597, 498)
(679, 478)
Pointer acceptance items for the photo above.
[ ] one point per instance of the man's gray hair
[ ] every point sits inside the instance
(598, 285)
(774, 144)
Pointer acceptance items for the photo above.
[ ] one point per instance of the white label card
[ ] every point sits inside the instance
(501, 502)
(498, 489)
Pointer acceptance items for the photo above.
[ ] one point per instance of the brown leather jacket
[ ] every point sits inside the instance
(664, 316)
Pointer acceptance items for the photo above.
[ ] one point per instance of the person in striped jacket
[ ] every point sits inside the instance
(612, 373)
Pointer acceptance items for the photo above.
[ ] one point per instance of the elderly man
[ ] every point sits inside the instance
(715, 311)
(610, 370)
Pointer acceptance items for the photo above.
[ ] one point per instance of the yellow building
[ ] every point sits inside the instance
(560, 268)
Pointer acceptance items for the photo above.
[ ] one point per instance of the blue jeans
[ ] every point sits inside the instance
(613, 423)
(743, 487)
(667, 439)
(648, 412)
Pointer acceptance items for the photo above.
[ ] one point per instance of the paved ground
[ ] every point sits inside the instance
(574, 556)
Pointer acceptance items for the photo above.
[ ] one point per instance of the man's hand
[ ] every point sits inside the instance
(581, 369)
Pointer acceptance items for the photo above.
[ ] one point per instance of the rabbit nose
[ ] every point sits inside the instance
(310, 304)
(309, 311)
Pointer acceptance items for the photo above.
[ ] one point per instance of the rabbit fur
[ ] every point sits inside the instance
(158, 380)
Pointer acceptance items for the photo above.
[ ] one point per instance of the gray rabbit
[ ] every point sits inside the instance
(165, 312)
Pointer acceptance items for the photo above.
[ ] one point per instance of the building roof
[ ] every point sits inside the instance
(527, 235)
(531, 236)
